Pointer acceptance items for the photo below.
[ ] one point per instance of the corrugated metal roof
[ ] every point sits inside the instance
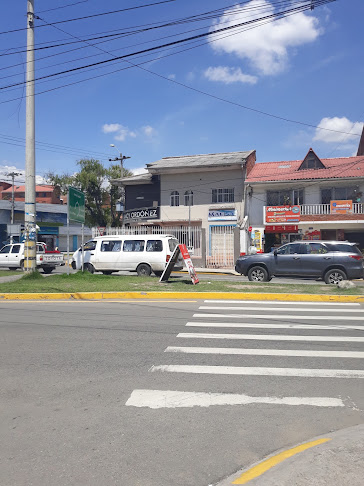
(288, 170)
(141, 178)
(205, 160)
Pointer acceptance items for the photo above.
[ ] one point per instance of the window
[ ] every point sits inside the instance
(285, 198)
(344, 247)
(339, 193)
(172, 243)
(133, 245)
(89, 246)
(291, 249)
(174, 198)
(111, 245)
(5, 249)
(314, 248)
(188, 198)
(15, 249)
(223, 195)
(40, 249)
(154, 245)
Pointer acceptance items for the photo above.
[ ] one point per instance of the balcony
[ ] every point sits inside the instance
(324, 209)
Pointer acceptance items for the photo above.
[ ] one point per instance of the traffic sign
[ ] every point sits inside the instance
(76, 205)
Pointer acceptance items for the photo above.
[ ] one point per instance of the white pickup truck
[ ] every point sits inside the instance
(12, 256)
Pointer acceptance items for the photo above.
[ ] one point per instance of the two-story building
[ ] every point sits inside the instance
(199, 198)
(311, 198)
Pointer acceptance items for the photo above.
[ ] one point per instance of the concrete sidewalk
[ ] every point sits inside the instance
(336, 462)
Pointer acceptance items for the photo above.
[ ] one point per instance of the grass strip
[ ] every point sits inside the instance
(85, 282)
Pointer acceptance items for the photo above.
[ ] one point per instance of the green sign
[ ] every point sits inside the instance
(76, 205)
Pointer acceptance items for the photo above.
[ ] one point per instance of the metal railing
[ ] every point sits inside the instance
(317, 209)
(190, 236)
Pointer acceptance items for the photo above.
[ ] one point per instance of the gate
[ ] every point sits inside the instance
(221, 247)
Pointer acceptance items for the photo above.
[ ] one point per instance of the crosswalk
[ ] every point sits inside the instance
(253, 335)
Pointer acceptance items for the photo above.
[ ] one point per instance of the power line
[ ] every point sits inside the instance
(63, 6)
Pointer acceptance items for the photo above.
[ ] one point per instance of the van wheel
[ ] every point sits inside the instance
(258, 274)
(334, 276)
(90, 268)
(144, 270)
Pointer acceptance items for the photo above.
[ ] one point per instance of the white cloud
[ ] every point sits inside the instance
(149, 131)
(265, 47)
(351, 129)
(19, 179)
(121, 132)
(111, 127)
(229, 75)
(171, 76)
(139, 170)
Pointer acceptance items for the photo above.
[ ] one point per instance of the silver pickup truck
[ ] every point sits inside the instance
(12, 257)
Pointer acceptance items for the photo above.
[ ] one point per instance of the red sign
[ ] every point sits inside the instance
(188, 262)
(282, 214)
(341, 207)
(287, 228)
(101, 230)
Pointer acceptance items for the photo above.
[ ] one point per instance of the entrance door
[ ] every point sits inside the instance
(287, 260)
(221, 247)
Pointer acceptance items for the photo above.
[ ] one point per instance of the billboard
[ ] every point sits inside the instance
(341, 207)
(282, 214)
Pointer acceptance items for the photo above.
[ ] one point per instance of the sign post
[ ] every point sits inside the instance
(76, 212)
(180, 249)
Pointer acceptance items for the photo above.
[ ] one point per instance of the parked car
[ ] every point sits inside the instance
(12, 257)
(143, 254)
(332, 261)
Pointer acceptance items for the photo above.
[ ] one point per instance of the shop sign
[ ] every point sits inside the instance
(287, 228)
(311, 234)
(141, 214)
(282, 214)
(341, 207)
(222, 215)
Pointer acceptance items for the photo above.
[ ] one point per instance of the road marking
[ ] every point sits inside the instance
(282, 316)
(259, 371)
(265, 352)
(176, 399)
(296, 309)
(264, 466)
(273, 326)
(270, 302)
(271, 337)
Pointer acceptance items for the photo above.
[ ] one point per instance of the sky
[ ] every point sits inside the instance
(213, 94)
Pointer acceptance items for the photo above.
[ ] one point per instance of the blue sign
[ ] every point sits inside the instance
(222, 215)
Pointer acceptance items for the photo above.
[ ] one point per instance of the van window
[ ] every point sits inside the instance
(172, 244)
(90, 245)
(154, 245)
(133, 245)
(113, 245)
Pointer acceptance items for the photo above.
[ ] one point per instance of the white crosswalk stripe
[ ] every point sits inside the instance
(281, 323)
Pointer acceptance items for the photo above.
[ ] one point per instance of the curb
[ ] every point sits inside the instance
(182, 295)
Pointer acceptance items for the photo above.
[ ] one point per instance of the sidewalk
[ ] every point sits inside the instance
(337, 462)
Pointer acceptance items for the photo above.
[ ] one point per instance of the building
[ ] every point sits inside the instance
(199, 198)
(311, 198)
(45, 194)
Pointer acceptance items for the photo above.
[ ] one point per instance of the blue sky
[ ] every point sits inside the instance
(307, 67)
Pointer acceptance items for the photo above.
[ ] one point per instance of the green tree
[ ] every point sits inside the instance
(100, 195)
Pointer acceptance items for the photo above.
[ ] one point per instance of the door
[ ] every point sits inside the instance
(108, 255)
(287, 260)
(4, 256)
(315, 258)
(14, 256)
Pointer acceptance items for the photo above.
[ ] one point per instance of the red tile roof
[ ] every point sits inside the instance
(288, 170)
(44, 188)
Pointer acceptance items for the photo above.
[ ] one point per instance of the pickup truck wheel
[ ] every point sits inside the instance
(107, 272)
(144, 270)
(90, 268)
(334, 276)
(258, 274)
(73, 265)
(48, 270)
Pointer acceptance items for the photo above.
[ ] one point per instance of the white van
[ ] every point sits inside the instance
(143, 254)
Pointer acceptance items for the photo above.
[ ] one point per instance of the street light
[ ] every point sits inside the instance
(121, 158)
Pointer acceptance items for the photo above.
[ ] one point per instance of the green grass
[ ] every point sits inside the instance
(80, 282)
(7, 273)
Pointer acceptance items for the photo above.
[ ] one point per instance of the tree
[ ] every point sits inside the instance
(100, 195)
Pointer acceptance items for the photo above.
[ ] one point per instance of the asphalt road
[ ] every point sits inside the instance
(86, 387)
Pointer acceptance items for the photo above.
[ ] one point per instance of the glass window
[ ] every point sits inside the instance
(5, 249)
(279, 198)
(222, 195)
(290, 249)
(172, 243)
(15, 249)
(174, 198)
(90, 245)
(133, 245)
(315, 248)
(111, 245)
(188, 198)
(40, 249)
(297, 197)
(283, 250)
(154, 245)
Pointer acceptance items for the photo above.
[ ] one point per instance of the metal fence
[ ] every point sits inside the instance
(190, 236)
(221, 247)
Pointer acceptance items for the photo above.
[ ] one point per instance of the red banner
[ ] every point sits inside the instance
(188, 262)
(282, 214)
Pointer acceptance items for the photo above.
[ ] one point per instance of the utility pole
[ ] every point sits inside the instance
(121, 158)
(29, 206)
(12, 175)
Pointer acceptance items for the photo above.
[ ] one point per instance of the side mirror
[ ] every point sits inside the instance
(275, 252)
